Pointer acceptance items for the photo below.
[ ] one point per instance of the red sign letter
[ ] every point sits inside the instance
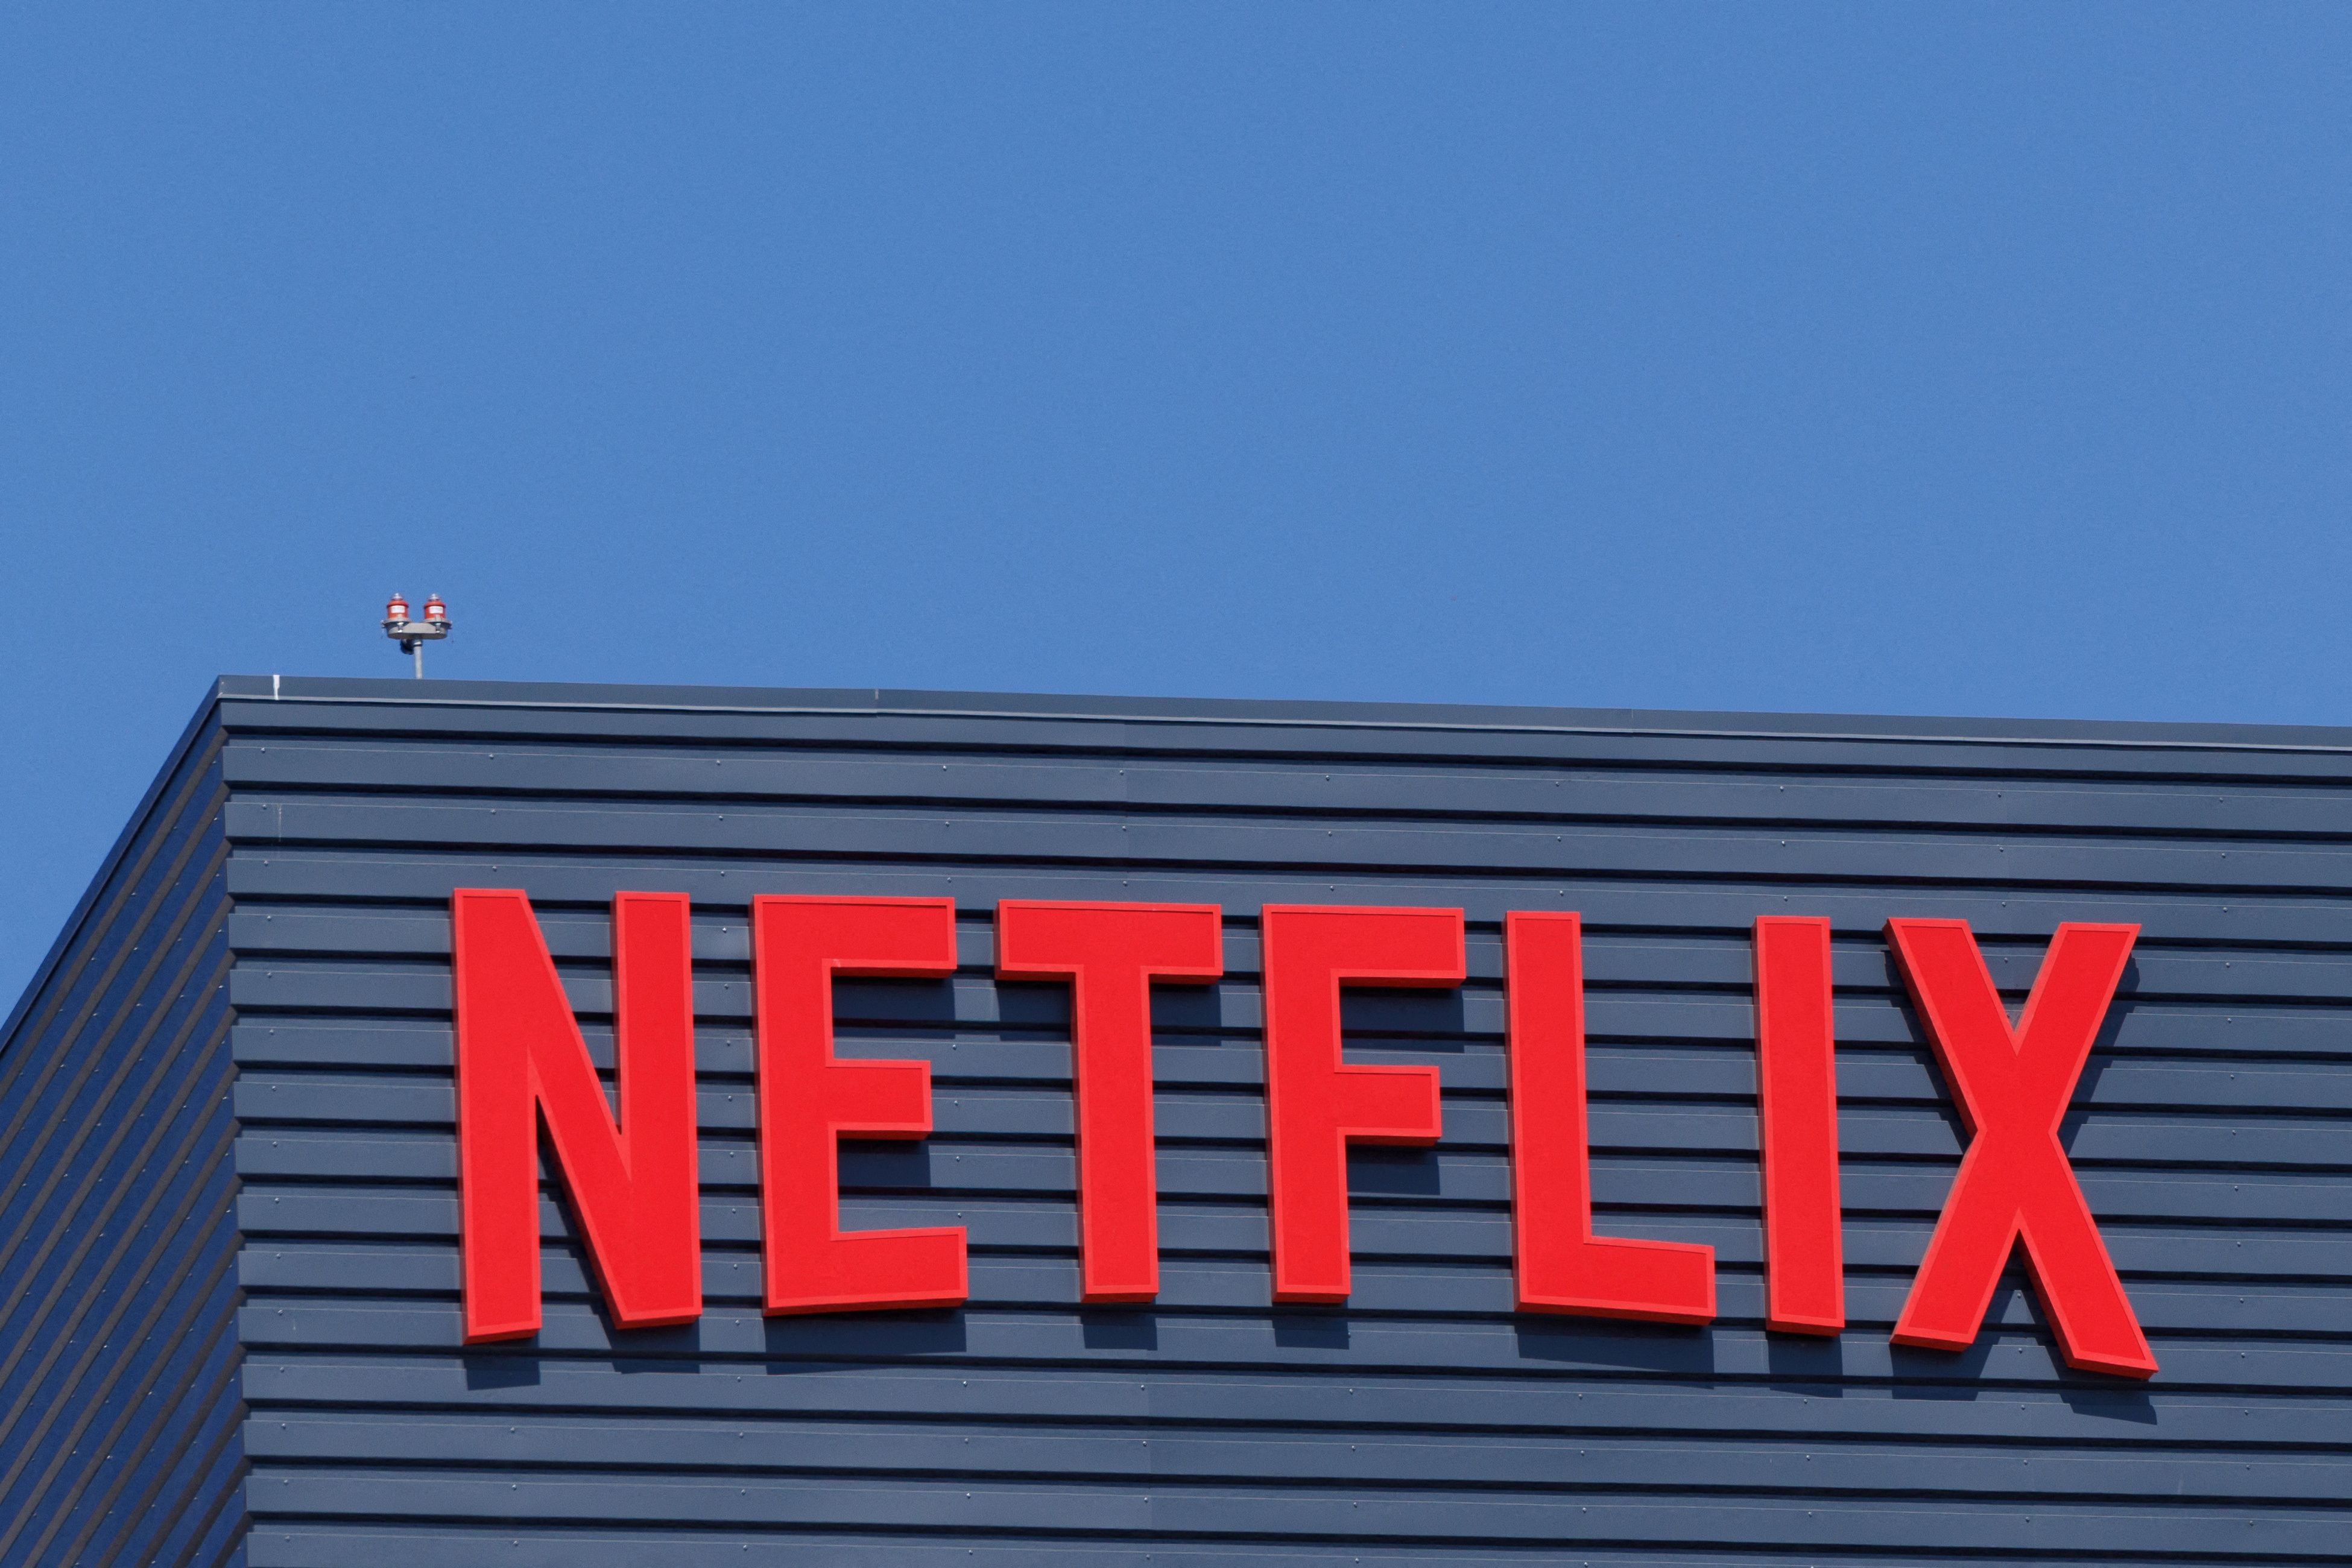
(1795, 1099)
(2012, 1087)
(518, 1051)
(1317, 1104)
(809, 1101)
(1560, 1265)
(1110, 954)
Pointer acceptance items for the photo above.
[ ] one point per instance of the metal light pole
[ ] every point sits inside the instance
(412, 635)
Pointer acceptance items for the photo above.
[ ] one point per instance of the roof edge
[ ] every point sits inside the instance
(2117, 732)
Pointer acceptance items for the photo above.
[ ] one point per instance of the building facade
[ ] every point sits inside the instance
(240, 1323)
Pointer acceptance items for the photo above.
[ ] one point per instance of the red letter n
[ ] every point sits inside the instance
(1110, 954)
(1560, 1265)
(520, 1057)
(1317, 1104)
(810, 1100)
(2012, 1087)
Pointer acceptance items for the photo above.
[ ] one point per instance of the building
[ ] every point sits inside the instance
(236, 1330)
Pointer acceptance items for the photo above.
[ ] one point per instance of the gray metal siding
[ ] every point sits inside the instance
(119, 1412)
(1424, 1421)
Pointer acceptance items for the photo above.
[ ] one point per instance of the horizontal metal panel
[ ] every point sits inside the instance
(1431, 1515)
(1308, 731)
(2286, 1140)
(1186, 1027)
(305, 939)
(1448, 1022)
(1349, 790)
(1395, 1229)
(375, 1546)
(1673, 1066)
(1911, 857)
(1808, 1465)
(1532, 1346)
(1422, 1287)
(271, 876)
(944, 1164)
(1629, 1399)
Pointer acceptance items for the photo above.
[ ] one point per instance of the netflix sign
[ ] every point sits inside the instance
(521, 1064)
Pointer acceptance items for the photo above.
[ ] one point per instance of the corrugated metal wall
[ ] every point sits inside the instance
(119, 1402)
(1425, 1423)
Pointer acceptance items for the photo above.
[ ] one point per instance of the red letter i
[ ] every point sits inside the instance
(1795, 1099)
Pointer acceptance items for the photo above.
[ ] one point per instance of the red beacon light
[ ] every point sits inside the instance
(412, 634)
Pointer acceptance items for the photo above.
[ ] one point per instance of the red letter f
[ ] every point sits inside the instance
(2012, 1087)
(1317, 1103)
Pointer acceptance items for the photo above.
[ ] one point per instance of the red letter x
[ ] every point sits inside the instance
(2012, 1087)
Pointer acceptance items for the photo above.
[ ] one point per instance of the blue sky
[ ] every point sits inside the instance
(1972, 359)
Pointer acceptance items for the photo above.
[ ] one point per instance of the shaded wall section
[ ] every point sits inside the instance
(119, 1417)
(1424, 1421)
